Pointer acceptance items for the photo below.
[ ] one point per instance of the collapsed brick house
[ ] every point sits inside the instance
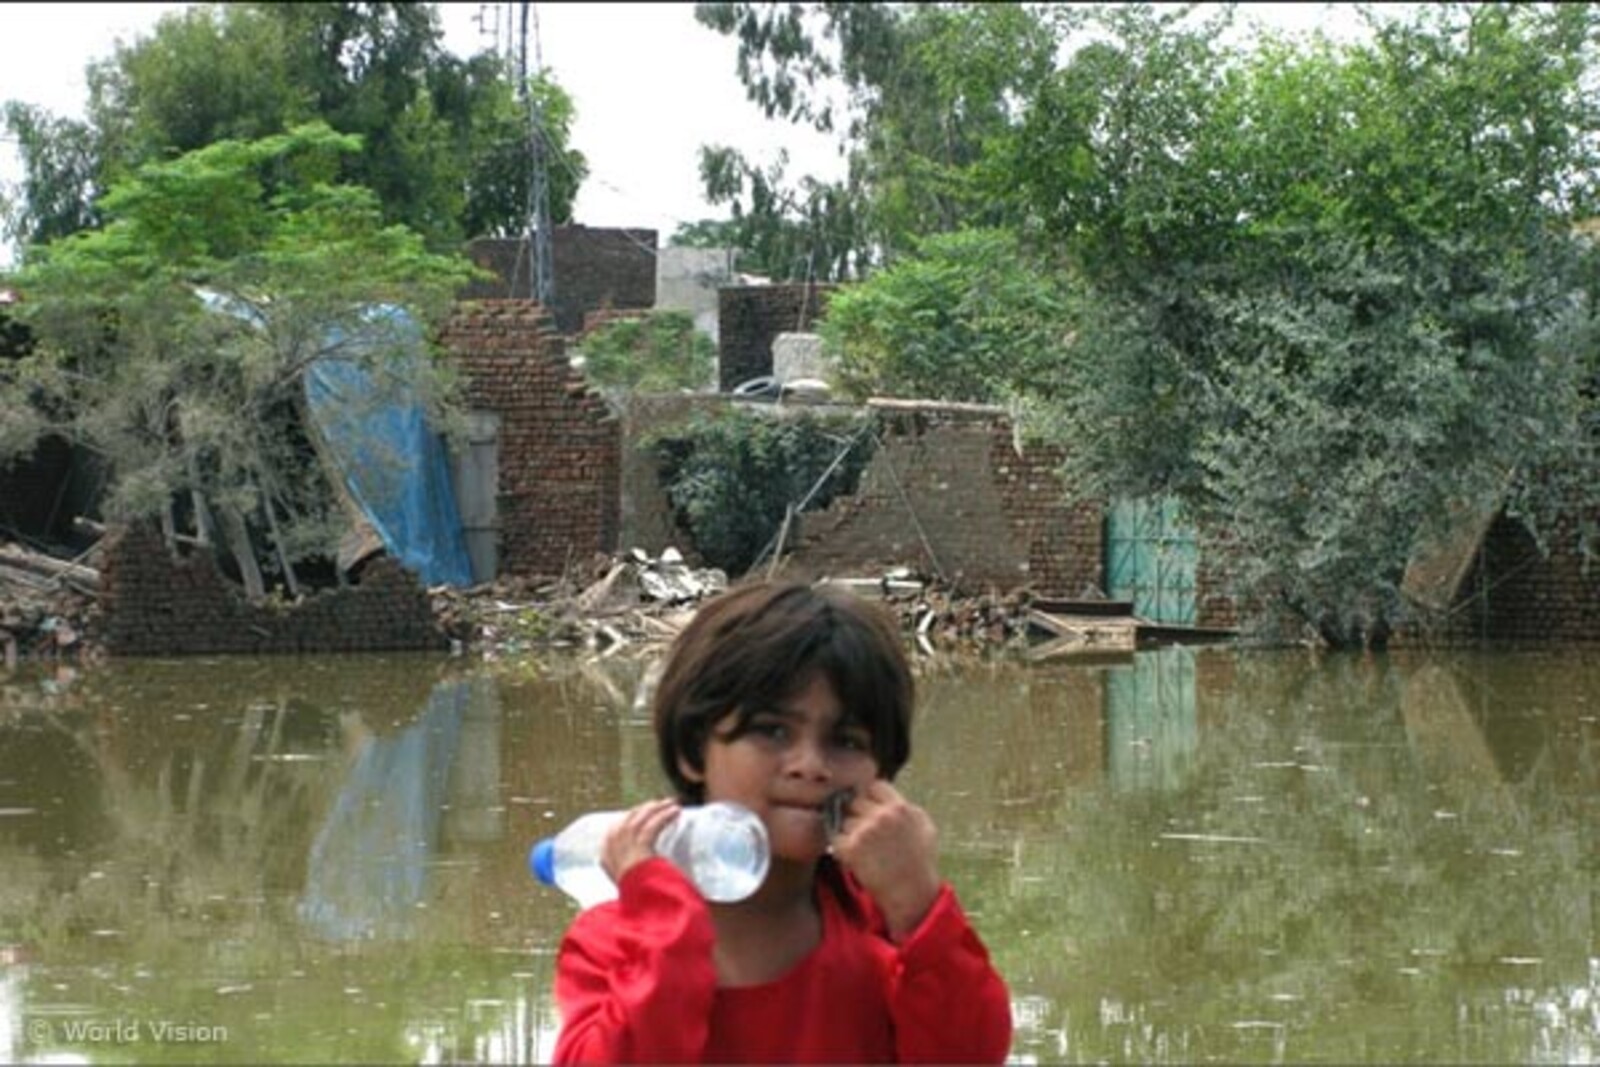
(949, 491)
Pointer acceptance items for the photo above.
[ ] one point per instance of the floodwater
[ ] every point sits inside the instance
(1183, 856)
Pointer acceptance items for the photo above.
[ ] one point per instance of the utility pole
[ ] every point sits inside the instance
(544, 282)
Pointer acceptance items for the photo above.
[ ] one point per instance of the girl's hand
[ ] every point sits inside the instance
(633, 839)
(890, 845)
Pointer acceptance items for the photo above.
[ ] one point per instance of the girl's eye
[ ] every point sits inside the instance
(775, 729)
(855, 740)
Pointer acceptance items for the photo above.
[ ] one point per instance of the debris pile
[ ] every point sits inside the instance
(631, 603)
(938, 618)
(634, 602)
(48, 606)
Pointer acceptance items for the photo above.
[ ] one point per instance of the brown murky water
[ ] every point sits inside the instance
(1179, 857)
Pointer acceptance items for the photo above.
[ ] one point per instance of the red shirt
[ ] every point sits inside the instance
(635, 983)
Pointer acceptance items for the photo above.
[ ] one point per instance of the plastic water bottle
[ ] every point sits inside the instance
(722, 847)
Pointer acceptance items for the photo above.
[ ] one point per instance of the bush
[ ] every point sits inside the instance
(731, 477)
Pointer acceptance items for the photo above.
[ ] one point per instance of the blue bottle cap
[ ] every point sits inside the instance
(542, 861)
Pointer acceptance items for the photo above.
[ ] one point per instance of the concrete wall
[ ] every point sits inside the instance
(594, 269)
(154, 605)
(560, 443)
(687, 279)
(750, 317)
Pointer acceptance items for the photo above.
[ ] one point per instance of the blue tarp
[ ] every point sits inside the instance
(394, 466)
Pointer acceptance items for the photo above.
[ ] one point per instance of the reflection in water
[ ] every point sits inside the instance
(369, 863)
(13, 980)
(1196, 855)
(1151, 730)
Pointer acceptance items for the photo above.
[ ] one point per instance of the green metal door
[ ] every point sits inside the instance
(1151, 555)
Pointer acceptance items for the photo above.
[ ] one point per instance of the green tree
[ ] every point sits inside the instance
(1329, 294)
(444, 140)
(656, 352)
(968, 316)
(173, 341)
(926, 100)
(1333, 293)
(58, 165)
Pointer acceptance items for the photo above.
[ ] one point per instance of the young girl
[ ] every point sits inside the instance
(778, 696)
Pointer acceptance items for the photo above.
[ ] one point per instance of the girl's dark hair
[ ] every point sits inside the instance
(757, 644)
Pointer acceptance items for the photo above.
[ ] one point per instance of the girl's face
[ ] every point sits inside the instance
(787, 762)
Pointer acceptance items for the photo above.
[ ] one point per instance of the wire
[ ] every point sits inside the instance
(795, 509)
(578, 180)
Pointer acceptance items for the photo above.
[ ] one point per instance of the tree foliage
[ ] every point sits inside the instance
(444, 140)
(173, 340)
(660, 351)
(58, 166)
(924, 97)
(1333, 294)
(969, 317)
(1329, 294)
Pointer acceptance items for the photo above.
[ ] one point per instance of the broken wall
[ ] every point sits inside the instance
(950, 492)
(1512, 592)
(154, 605)
(646, 514)
(1215, 603)
(560, 444)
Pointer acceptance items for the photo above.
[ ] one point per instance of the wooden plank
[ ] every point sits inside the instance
(1103, 608)
(1089, 632)
(1183, 635)
(19, 558)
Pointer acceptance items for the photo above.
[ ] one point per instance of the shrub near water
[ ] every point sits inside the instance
(732, 476)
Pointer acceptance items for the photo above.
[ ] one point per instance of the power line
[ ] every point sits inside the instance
(544, 283)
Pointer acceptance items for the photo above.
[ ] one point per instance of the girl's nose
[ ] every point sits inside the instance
(809, 759)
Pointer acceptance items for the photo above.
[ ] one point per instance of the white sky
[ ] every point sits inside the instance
(649, 83)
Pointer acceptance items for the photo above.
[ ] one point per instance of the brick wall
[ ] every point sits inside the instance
(154, 605)
(594, 269)
(948, 493)
(750, 316)
(1215, 603)
(1513, 593)
(560, 444)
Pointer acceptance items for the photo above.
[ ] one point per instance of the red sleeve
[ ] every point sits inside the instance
(635, 979)
(948, 1002)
